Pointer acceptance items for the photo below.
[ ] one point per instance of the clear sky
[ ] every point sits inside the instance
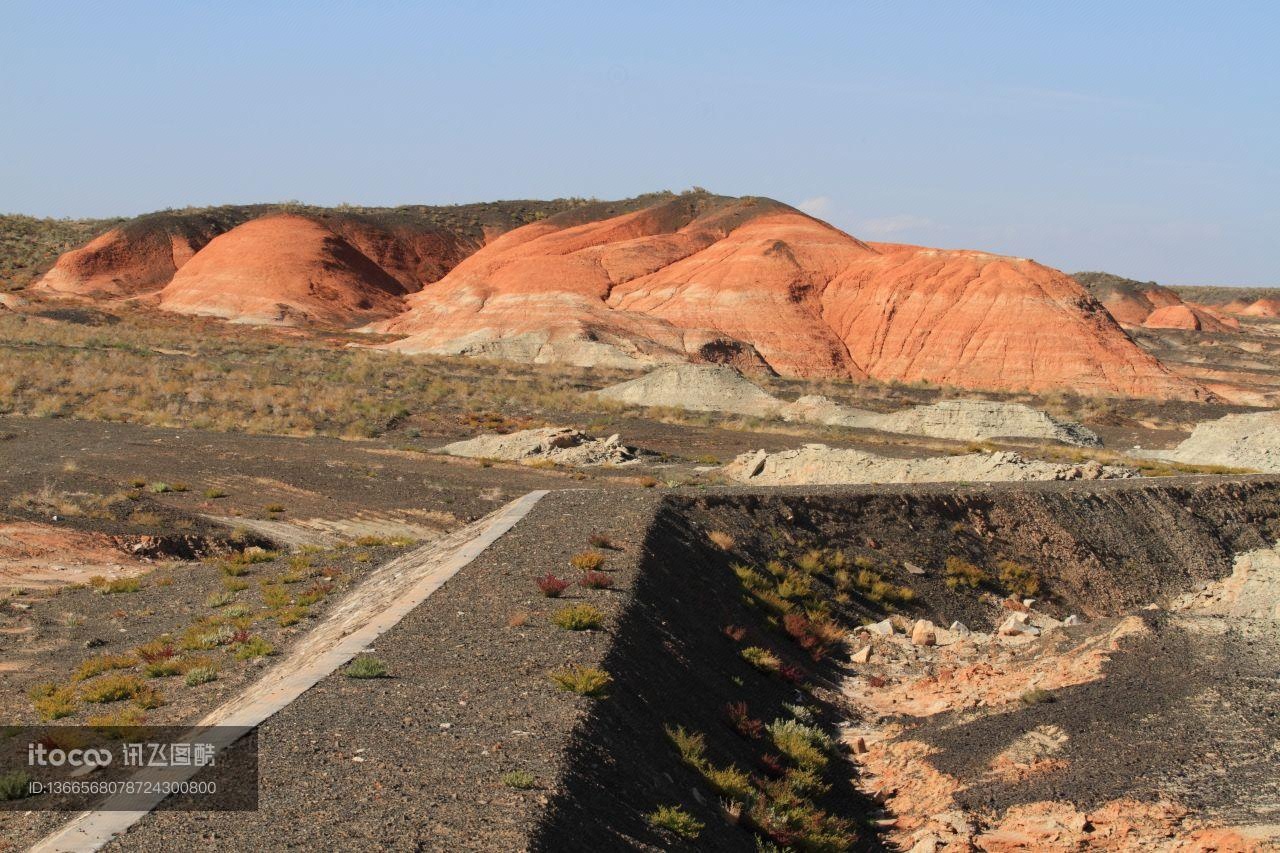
(1137, 137)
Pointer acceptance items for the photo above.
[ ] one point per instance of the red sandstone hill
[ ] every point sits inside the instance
(1187, 315)
(133, 259)
(711, 278)
(414, 244)
(283, 269)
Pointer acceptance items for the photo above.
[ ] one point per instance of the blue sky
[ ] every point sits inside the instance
(1136, 137)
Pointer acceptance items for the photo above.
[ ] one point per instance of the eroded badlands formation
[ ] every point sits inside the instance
(664, 278)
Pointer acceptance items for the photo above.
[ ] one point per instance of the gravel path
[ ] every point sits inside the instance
(382, 600)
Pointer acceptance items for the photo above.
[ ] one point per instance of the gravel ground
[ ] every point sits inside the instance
(1178, 714)
(414, 761)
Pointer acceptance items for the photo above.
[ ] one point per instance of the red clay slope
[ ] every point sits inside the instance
(133, 260)
(283, 269)
(1192, 317)
(708, 278)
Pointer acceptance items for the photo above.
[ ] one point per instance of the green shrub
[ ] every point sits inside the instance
(119, 585)
(366, 666)
(762, 659)
(583, 680)
(692, 746)
(201, 675)
(520, 780)
(1036, 696)
(1018, 579)
(677, 820)
(806, 745)
(14, 785)
(578, 617)
(52, 702)
(730, 782)
(220, 599)
(163, 668)
(254, 647)
(959, 572)
(102, 663)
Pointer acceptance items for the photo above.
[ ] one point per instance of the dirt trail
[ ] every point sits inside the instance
(389, 593)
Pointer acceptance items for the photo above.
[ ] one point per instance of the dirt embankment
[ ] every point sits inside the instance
(1096, 548)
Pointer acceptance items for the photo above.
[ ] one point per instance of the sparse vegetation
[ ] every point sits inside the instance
(959, 573)
(1018, 579)
(587, 561)
(14, 785)
(552, 586)
(677, 820)
(596, 580)
(1036, 696)
(578, 617)
(521, 780)
(723, 541)
(366, 666)
(201, 675)
(583, 680)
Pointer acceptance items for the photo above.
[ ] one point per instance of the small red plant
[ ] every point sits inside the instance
(240, 636)
(876, 681)
(791, 673)
(152, 652)
(552, 586)
(773, 765)
(596, 580)
(740, 720)
(735, 632)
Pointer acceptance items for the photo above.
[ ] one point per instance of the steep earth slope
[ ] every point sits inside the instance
(282, 269)
(709, 278)
(413, 244)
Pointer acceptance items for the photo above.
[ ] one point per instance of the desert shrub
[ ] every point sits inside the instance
(220, 599)
(102, 663)
(596, 580)
(692, 746)
(155, 650)
(164, 668)
(795, 585)
(762, 659)
(583, 680)
(120, 585)
(599, 540)
(315, 591)
(958, 572)
(214, 494)
(1036, 696)
(521, 780)
(274, 507)
(371, 541)
(734, 632)
(52, 702)
(805, 745)
(115, 688)
(551, 586)
(578, 617)
(287, 616)
(677, 820)
(116, 720)
(14, 785)
(201, 675)
(254, 647)
(1018, 579)
(740, 720)
(587, 561)
(723, 541)
(730, 782)
(811, 562)
(750, 579)
(366, 666)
